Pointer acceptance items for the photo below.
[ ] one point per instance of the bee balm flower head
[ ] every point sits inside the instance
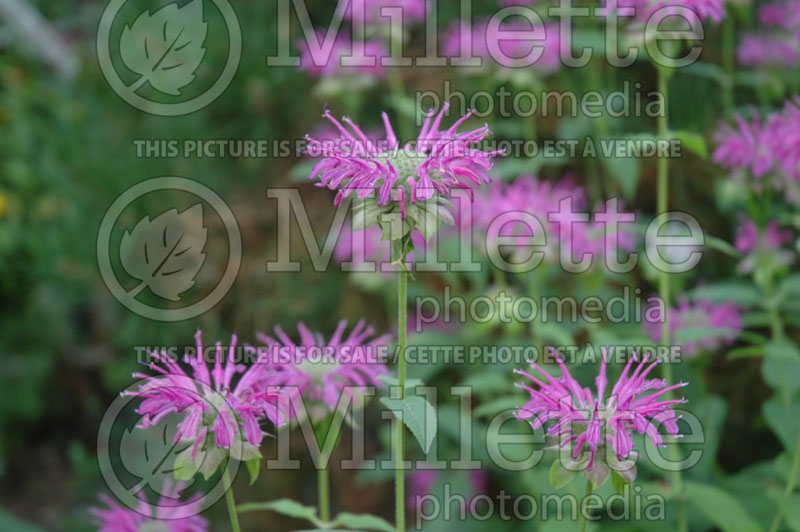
(412, 179)
(211, 402)
(322, 370)
(591, 422)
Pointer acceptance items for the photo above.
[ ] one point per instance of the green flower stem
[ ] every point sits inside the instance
(402, 312)
(585, 520)
(728, 61)
(664, 280)
(323, 475)
(323, 490)
(226, 480)
(790, 485)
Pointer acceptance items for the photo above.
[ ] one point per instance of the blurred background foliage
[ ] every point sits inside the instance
(66, 152)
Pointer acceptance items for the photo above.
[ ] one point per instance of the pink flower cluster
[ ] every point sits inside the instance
(783, 14)
(438, 161)
(762, 147)
(529, 48)
(695, 321)
(379, 11)
(323, 370)
(245, 404)
(769, 51)
(762, 246)
(341, 58)
(422, 483)
(590, 421)
(705, 10)
(541, 198)
(170, 515)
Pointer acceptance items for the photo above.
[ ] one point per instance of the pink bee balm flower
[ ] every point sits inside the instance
(322, 370)
(784, 130)
(762, 247)
(402, 177)
(330, 62)
(705, 10)
(746, 147)
(768, 51)
(781, 14)
(380, 11)
(690, 325)
(461, 39)
(209, 400)
(170, 515)
(591, 421)
(533, 196)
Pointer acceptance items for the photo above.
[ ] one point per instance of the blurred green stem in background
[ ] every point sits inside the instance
(585, 519)
(728, 61)
(226, 480)
(323, 476)
(399, 251)
(790, 484)
(664, 74)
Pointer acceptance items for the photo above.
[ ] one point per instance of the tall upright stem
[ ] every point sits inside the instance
(728, 61)
(226, 480)
(323, 475)
(585, 518)
(663, 280)
(323, 490)
(790, 484)
(402, 311)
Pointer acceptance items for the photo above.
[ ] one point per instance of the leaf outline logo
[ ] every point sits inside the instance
(165, 254)
(165, 48)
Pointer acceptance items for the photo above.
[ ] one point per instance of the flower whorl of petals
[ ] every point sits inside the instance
(590, 421)
(413, 179)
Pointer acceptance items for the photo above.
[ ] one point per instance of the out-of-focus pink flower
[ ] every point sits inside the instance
(422, 482)
(322, 370)
(591, 422)
(768, 51)
(369, 11)
(541, 199)
(746, 147)
(320, 61)
(784, 14)
(701, 316)
(784, 131)
(762, 247)
(437, 162)
(246, 403)
(533, 196)
(171, 515)
(477, 41)
(713, 10)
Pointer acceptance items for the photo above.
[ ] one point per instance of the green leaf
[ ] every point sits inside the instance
(791, 510)
(253, 467)
(560, 476)
(618, 482)
(394, 381)
(362, 522)
(781, 368)
(782, 418)
(626, 172)
(418, 415)
(722, 508)
(730, 292)
(286, 507)
(694, 142)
